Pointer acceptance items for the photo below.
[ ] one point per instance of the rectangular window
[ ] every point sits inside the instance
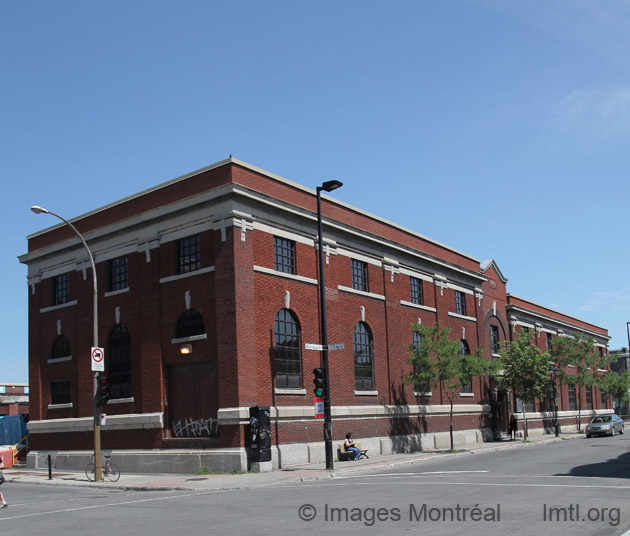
(460, 303)
(417, 295)
(549, 398)
(589, 398)
(188, 254)
(494, 339)
(118, 274)
(604, 400)
(549, 336)
(421, 386)
(572, 398)
(359, 275)
(283, 255)
(61, 289)
(60, 392)
(466, 388)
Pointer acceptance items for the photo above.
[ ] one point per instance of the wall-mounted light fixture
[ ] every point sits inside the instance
(185, 349)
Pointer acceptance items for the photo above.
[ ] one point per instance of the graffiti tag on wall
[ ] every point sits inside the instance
(196, 428)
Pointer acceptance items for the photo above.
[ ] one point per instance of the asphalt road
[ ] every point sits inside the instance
(572, 487)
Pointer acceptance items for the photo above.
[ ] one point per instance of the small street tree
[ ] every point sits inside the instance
(615, 385)
(525, 369)
(577, 364)
(438, 362)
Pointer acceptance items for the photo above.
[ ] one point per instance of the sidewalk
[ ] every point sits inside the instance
(298, 473)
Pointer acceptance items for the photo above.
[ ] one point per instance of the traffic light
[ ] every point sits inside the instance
(102, 391)
(320, 382)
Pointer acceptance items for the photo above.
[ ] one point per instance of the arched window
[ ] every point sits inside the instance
(417, 339)
(286, 341)
(363, 358)
(60, 348)
(119, 360)
(190, 324)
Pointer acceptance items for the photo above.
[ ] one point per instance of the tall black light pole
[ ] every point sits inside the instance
(97, 425)
(328, 186)
(553, 368)
(628, 361)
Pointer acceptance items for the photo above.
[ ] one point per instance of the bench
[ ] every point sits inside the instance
(344, 454)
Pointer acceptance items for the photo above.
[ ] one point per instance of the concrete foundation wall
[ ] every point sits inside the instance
(227, 460)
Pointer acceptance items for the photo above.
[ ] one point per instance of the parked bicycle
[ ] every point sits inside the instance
(109, 470)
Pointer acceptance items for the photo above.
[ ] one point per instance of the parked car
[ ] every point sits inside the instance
(604, 425)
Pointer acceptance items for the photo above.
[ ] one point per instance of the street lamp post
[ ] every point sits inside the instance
(97, 425)
(628, 361)
(553, 368)
(327, 186)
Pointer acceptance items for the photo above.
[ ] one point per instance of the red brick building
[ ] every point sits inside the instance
(223, 261)
(13, 398)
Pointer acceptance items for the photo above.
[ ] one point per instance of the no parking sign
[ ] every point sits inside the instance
(98, 359)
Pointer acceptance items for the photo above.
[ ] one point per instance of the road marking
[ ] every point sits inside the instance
(507, 484)
(95, 506)
(399, 475)
(487, 473)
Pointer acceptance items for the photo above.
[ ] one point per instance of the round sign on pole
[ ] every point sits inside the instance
(98, 359)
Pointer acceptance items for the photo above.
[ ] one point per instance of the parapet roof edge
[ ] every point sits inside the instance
(553, 311)
(273, 176)
(485, 265)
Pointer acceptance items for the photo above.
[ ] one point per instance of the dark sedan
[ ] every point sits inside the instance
(604, 425)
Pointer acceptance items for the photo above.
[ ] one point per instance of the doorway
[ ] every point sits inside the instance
(193, 400)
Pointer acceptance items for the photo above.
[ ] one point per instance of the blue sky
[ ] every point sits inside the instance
(497, 127)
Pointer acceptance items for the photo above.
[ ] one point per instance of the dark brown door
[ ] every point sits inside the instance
(193, 400)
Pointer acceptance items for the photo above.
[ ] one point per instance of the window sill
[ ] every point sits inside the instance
(120, 400)
(467, 395)
(116, 292)
(285, 275)
(290, 392)
(417, 306)
(463, 317)
(60, 406)
(422, 395)
(57, 307)
(190, 339)
(366, 393)
(187, 274)
(59, 360)
(361, 292)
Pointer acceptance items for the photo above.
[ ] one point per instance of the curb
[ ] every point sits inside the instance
(323, 474)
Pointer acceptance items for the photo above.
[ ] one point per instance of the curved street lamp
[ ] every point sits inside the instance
(327, 186)
(97, 426)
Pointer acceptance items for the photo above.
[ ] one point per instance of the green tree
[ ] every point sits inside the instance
(577, 364)
(437, 362)
(615, 384)
(525, 369)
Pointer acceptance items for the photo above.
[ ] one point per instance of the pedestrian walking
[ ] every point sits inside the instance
(2, 480)
(513, 427)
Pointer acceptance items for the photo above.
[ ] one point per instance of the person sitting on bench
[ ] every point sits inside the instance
(350, 446)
